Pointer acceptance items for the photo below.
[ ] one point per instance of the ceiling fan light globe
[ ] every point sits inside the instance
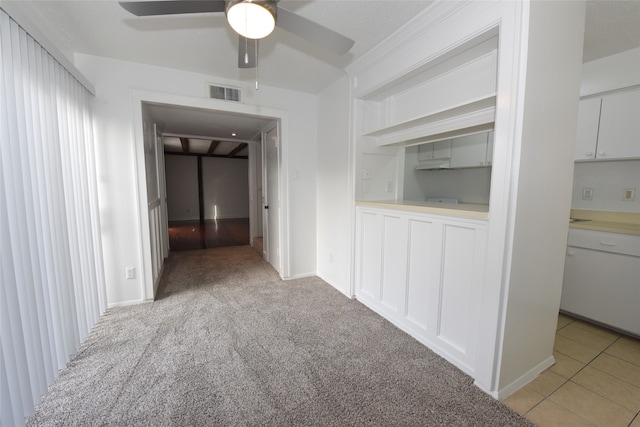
(252, 19)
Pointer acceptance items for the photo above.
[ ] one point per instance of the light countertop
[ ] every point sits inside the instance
(465, 210)
(610, 222)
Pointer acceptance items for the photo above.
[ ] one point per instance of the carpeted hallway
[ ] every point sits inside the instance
(228, 343)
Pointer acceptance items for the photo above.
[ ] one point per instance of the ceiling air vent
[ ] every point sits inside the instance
(224, 93)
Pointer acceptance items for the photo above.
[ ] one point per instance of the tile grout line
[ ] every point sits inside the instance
(572, 376)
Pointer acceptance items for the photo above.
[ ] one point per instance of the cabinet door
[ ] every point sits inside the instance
(619, 135)
(587, 131)
(469, 151)
(603, 287)
(489, 148)
(442, 149)
(425, 152)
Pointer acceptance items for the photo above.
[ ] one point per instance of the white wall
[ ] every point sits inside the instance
(182, 187)
(549, 116)
(115, 82)
(334, 187)
(225, 186)
(608, 180)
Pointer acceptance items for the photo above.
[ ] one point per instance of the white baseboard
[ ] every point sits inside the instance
(126, 303)
(336, 287)
(300, 276)
(531, 375)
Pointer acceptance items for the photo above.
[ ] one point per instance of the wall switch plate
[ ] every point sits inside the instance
(587, 193)
(389, 186)
(131, 273)
(629, 194)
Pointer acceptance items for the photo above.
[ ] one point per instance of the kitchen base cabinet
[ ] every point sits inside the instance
(602, 279)
(423, 273)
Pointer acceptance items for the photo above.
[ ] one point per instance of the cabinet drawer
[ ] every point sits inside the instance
(606, 242)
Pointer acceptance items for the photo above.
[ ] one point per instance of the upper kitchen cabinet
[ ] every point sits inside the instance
(608, 127)
(619, 134)
(469, 151)
(587, 131)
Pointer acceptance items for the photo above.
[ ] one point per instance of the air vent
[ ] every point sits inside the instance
(225, 93)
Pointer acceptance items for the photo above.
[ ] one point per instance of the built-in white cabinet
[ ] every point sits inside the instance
(469, 151)
(619, 133)
(434, 150)
(423, 272)
(602, 278)
(608, 127)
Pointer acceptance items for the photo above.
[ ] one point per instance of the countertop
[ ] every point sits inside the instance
(465, 210)
(610, 222)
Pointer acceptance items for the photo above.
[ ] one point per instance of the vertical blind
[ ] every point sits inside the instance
(52, 288)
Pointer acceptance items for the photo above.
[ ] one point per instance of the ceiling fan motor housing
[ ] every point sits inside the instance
(253, 19)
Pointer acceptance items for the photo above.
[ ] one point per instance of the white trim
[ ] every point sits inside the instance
(531, 375)
(300, 276)
(336, 287)
(139, 97)
(128, 303)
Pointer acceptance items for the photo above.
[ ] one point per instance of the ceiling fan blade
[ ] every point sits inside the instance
(316, 33)
(150, 8)
(247, 52)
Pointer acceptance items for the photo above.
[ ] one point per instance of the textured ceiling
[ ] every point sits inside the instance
(611, 27)
(205, 44)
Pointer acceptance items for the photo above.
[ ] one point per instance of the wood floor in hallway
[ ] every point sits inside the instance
(192, 235)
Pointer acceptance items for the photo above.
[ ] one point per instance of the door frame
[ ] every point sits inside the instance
(138, 98)
(266, 243)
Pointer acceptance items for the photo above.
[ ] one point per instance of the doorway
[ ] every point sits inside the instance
(208, 195)
(175, 115)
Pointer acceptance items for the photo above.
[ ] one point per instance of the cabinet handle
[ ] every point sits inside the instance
(570, 253)
(602, 153)
(607, 244)
(589, 154)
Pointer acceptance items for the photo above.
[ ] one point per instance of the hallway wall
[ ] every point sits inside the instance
(115, 83)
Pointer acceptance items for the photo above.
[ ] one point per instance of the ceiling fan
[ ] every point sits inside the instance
(251, 19)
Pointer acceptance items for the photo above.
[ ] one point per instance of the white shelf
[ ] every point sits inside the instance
(443, 163)
(471, 117)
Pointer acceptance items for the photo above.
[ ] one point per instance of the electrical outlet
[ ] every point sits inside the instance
(131, 273)
(389, 186)
(587, 194)
(629, 194)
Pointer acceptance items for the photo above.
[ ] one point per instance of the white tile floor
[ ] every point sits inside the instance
(595, 381)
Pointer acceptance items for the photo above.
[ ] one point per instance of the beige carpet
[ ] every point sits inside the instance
(229, 344)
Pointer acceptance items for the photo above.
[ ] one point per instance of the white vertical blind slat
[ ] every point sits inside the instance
(51, 275)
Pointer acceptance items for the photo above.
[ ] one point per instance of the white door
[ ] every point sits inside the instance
(271, 246)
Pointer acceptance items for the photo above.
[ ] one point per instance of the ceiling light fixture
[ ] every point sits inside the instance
(252, 19)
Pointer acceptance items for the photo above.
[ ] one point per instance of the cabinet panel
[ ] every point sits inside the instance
(422, 269)
(394, 263)
(469, 151)
(619, 135)
(370, 252)
(423, 273)
(456, 286)
(425, 152)
(442, 149)
(587, 130)
(602, 286)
